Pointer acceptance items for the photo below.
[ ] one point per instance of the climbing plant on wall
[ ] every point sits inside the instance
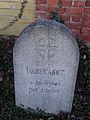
(55, 15)
(16, 18)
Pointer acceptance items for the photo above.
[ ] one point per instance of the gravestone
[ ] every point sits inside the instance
(46, 58)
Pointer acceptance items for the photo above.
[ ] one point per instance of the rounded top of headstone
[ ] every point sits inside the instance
(46, 23)
(50, 26)
(47, 39)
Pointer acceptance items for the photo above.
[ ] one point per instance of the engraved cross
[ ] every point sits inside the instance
(47, 48)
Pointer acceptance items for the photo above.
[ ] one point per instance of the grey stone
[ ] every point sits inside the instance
(46, 58)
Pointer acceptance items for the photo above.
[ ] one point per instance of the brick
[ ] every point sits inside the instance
(85, 31)
(86, 24)
(41, 15)
(48, 16)
(65, 17)
(41, 7)
(85, 38)
(62, 10)
(53, 2)
(86, 17)
(79, 3)
(75, 32)
(67, 11)
(77, 18)
(87, 10)
(87, 3)
(75, 25)
(52, 9)
(41, 2)
(66, 3)
(76, 11)
(73, 11)
(80, 0)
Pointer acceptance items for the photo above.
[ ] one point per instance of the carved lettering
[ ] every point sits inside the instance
(41, 90)
(39, 71)
(46, 82)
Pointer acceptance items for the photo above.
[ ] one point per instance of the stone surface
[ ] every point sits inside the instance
(46, 58)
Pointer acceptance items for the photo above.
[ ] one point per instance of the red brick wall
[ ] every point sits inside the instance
(75, 13)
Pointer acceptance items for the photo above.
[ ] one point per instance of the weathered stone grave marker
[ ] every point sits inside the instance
(46, 59)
